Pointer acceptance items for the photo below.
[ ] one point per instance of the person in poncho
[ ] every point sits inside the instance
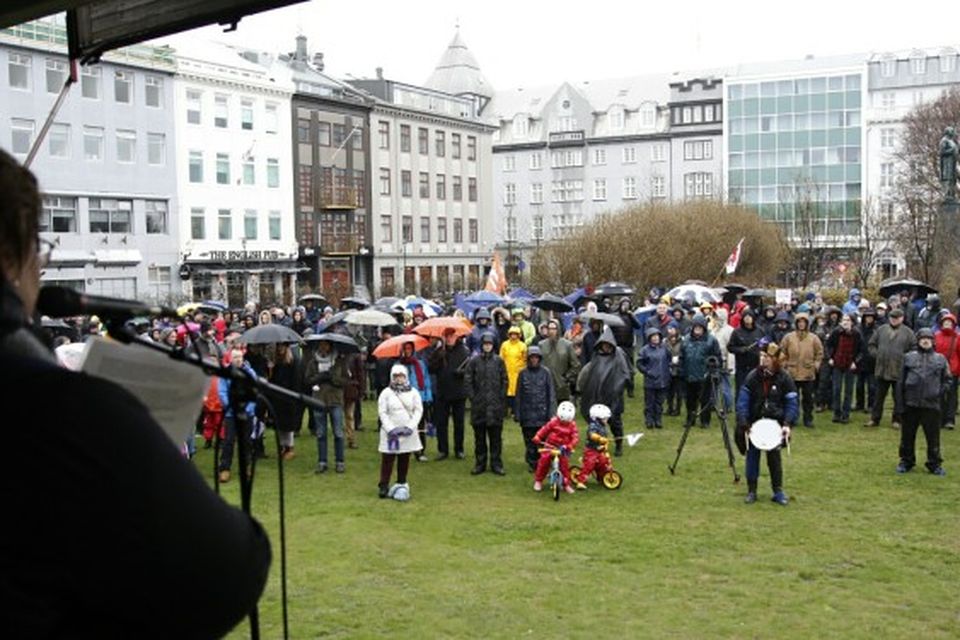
(602, 381)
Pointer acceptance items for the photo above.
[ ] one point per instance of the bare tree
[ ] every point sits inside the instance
(808, 253)
(876, 237)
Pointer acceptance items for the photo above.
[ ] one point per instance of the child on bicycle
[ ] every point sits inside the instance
(595, 458)
(559, 433)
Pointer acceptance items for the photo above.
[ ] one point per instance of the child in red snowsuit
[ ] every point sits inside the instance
(595, 456)
(212, 414)
(559, 433)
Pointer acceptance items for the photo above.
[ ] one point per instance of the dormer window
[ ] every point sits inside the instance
(888, 67)
(948, 61)
(616, 118)
(520, 125)
(648, 115)
(918, 63)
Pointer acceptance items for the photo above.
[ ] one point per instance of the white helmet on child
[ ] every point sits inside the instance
(566, 411)
(600, 412)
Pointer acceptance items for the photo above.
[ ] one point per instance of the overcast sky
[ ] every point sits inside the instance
(531, 42)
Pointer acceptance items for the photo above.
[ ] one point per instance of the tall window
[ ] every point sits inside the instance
(274, 223)
(599, 156)
(126, 146)
(536, 160)
(425, 230)
(405, 138)
(21, 135)
(194, 106)
(509, 163)
(123, 87)
(56, 74)
(457, 231)
(471, 147)
(156, 148)
(384, 181)
(629, 188)
(270, 119)
(323, 134)
(888, 67)
(698, 150)
(442, 230)
(198, 229)
(250, 224)
(18, 70)
(616, 118)
(153, 91)
(223, 168)
(698, 185)
(58, 140)
(220, 112)
(600, 189)
(196, 166)
(406, 183)
(93, 143)
(536, 193)
(384, 131)
(948, 62)
(90, 82)
(108, 215)
(386, 229)
(658, 187)
(509, 193)
(407, 229)
(59, 214)
(156, 215)
(629, 155)
(472, 189)
(224, 224)
(511, 229)
(441, 141)
(918, 65)
(441, 186)
(423, 141)
(658, 152)
(159, 280)
(249, 170)
(455, 146)
(648, 115)
(424, 184)
(246, 115)
(457, 188)
(520, 125)
(273, 173)
(887, 138)
(538, 227)
(473, 230)
(886, 174)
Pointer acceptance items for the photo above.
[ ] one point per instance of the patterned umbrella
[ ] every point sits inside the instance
(694, 292)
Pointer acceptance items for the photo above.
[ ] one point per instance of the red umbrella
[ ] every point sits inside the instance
(393, 347)
(437, 327)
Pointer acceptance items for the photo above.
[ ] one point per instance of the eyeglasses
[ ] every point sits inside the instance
(44, 250)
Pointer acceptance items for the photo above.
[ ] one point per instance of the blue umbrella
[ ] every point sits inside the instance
(520, 294)
(485, 297)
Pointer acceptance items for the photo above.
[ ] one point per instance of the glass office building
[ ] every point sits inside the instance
(794, 152)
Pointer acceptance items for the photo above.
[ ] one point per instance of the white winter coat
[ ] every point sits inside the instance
(402, 409)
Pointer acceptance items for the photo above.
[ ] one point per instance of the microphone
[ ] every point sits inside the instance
(61, 302)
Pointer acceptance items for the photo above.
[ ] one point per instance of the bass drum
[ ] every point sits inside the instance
(766, 434)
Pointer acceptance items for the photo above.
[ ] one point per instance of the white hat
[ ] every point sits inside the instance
(398, 370)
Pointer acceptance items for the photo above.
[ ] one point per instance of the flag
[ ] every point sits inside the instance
(734, 260)
(496, 280)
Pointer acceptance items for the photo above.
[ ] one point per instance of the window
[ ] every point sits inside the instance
(918, 65)
(406, 183)
(220, 112)
(156, 148)
(509, 163)
(246, 115)
(303, 130)
(122, 87)
(274, 223)
(126, 146)
(198, 229)
(386, 229)
(888, 67)
(511, 229)
(224, 224)
(153, 91)
(520, 126)
(698, 150)
(388, 280)
(194, 106)
(339, 135)
(323, 134)
(886, 174)
(425, 230)
(273, 173)
(270, 119)
(423, 141)
(888, 100)
(616, 118)
(384, 130)
(424, 184)
(19, 71)
(472, 189)
(442, 230)
(708, 113)
(629, 188)
(457, 231)
(56, 75)
(441, 187)
(384, 181)
(93, 143)
(156, 212)
(629, 155)
(250, 171)
(59, 214)
(471, 148)
(405, 138)
(110, 216)
(917, 98)
(538, 227)
(887, 136)
(600, 189)
(457, 188)
(223, 168)
(356, 135)
(948, 62)
(21, 135)
(159, 280)
(473, 229)
(509, 194)
(58, 140)
(687, 115)
(440, 138)
(698, 185)
(658, 152)
(406, 229)
(536, 160)
(455, 146)
(599, 156)
(573, 158)
(648, 115)
(566, 123)
(658, 187)
(250, 224)
(196, 166)
(90, 82)
(536, 193)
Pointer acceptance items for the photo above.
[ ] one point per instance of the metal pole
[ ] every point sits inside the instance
(71, 78)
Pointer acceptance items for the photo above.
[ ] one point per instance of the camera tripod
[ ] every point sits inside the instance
(716, 405)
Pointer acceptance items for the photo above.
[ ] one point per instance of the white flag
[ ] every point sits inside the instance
(734, 260)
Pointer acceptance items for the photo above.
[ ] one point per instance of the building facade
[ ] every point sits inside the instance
(106, 167)
(235, 178)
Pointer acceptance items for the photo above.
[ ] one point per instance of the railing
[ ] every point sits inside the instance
(567, 136)
(339, 198)
(341, 243)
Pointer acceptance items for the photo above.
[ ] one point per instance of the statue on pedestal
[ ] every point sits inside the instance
(949, 154)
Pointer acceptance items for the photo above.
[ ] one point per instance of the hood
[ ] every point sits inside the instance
(782, 317)
(533, 351)
(483, 314)
(721, 315)
(853, 293)
(487, 337)
(700, 320)
(398, 369)
(652, 331)
(801, 316)
(952, 318)
(933, 301)
(748, 313)
(606, 336)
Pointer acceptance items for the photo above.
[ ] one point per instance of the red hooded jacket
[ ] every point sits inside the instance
(947, 343)
(558, 434)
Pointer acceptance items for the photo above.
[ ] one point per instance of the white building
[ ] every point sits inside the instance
(235, 184)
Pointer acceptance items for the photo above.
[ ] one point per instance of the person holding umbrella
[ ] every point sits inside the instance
(324, 378)
(486, 382)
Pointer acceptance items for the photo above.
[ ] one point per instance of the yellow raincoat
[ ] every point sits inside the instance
(514, 355)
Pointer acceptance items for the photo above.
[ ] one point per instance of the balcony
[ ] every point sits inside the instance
(341, 244)
(339, 198)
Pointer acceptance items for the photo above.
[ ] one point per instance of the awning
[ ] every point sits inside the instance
(67, 256)
(118, 256)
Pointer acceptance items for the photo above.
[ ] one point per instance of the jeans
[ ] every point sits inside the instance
(675, 395)
(866, 390)
(335, 413)
(825, 386)
(929, 419)
(653, 406)
(774, 464)
(843, 381)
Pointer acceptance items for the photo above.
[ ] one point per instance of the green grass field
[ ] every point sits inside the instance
(860, 552)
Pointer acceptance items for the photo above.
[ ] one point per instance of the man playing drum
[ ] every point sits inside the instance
(767, 394)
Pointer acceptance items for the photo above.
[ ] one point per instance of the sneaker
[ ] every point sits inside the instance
(939, 471)
(498, 471)
(780, 498)
(569, 489)
(581, 486)
(537, 485)
(871, 423)
(461, 455)
(321, 467)
(902, 468)
(341, 467)
(441, 456)
(751, 497)
(225, 475)
(895, 425)
(948, 426)
(288, 454)
(477, 470)
(422, 457)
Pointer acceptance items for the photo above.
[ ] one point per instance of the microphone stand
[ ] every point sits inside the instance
(244, 388)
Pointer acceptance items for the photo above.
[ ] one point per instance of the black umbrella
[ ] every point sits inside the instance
(312, 297)
(339, 341)
(386, 301)
(550, 302)
(757, 293)
(335, 319)
(733, 287)
(896, 285)
(269, 334)
(354, 303)
(613, 289)
(608, 319)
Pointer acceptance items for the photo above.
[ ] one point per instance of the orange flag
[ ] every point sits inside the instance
(497, 280)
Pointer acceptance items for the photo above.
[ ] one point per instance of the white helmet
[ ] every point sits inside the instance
(600, 412)
(566, 411)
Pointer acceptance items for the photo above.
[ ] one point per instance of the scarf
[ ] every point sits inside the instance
(400, 387)
(417, 369)
(324, 364)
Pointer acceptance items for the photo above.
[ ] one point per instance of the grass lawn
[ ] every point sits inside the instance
(860, 552)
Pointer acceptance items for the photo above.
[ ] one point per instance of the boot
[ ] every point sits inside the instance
(383, 489)
(480, 467)
(618, 448)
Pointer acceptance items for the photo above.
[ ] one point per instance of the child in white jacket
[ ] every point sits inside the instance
(400, 409)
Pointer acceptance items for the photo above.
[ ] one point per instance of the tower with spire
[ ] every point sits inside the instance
(458, 73)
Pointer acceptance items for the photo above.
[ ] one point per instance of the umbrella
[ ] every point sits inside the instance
(437, 327)
(695, 292)
(550, 302)
(485, 298)
(393, 347)
(606, 318)
(269, 334)
(340, 342)
(71, 355)
(385, 301)
(335, 319)
(53, 323)
(757, 293)
(733, 287)
(312, 297)
(371, 318)
(429, 308)
(520, 294)
(613, 289)
(699, 282)
(214, 304)
(354, 303)
(896, 285)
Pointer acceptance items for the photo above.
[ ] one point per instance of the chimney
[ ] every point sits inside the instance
(318, 61)
(301, 53)
(379, 73)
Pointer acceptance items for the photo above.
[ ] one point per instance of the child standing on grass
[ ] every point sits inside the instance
(559, 433)
(400, 409)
